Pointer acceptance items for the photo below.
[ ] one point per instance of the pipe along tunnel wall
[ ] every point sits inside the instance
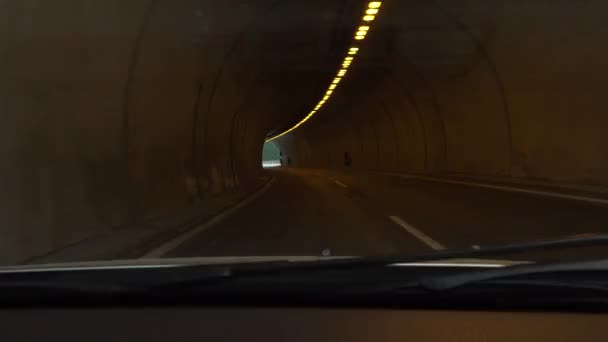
(506, 90)
(117, 111)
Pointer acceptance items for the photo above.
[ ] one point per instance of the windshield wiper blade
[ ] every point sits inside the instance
(449, 282)
(217, 274)
(585, 240)
(232, 272)
(580, 276)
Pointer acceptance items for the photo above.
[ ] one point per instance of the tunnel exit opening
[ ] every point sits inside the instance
(271, 155)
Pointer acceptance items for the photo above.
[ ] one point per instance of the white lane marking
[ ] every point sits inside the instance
(172, 244)
(593, 200)
(341, 184)
(417, 234)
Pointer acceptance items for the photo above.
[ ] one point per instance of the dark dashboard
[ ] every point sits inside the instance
(266, 324)
(435, 297)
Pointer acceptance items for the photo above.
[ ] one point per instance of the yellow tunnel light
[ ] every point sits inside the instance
(370, 15)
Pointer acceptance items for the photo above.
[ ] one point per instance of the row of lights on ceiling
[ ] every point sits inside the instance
(370, 14)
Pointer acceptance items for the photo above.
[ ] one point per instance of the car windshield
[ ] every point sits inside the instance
(239, 129)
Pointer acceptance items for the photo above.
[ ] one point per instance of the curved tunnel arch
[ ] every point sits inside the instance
(163, 103)
(457, 61)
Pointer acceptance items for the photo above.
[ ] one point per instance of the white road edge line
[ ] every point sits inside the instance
(509, 189)
(341, 184)
(417, 234)
(175, 242)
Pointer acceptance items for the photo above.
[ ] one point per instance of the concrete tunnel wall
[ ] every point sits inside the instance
(118, 111)
(508, 90)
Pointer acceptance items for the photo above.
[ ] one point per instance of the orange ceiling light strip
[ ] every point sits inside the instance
(369, 14)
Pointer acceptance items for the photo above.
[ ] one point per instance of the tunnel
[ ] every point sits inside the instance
(119, 112)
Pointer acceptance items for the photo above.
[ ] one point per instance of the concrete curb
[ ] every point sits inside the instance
(170, 245)
(506, 188)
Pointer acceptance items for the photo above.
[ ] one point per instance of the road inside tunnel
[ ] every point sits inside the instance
(309, 211)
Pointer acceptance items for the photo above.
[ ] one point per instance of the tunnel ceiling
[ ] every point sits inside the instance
(298, 46)
(501, 90)
(368, 15)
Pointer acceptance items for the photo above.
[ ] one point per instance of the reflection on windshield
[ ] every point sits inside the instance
(186, 130)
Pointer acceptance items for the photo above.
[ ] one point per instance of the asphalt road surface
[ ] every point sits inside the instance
(305, 212)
